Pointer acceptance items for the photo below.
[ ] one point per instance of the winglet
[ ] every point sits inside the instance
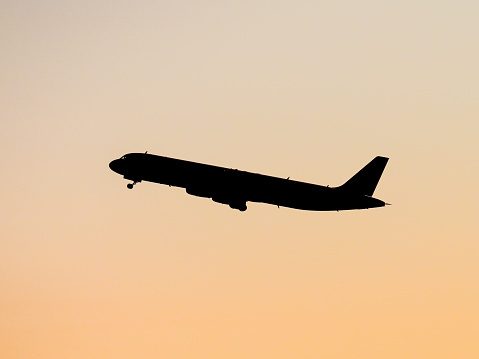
(366, 180)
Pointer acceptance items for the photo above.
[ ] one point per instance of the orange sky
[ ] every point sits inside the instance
(310, 90)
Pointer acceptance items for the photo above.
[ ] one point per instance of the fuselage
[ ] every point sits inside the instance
(235, 187)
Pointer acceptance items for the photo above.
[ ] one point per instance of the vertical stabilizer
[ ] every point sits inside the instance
(365, 181)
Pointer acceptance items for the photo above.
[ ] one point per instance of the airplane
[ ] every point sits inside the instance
(235, 188)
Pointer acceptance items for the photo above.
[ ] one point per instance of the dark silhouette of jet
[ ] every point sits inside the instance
(235, 188)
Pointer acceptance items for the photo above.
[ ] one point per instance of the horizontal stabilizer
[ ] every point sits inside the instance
(365, 181)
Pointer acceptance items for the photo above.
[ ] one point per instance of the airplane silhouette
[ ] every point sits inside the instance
(235, 188)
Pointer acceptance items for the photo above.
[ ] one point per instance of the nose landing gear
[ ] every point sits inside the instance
(130, 185)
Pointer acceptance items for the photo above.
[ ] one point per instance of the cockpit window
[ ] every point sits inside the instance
(123, 158)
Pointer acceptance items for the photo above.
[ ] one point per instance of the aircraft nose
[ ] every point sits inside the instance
(115, 166)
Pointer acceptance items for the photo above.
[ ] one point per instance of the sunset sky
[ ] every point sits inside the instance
(311, 90)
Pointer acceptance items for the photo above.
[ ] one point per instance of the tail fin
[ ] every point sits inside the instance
(366, 180)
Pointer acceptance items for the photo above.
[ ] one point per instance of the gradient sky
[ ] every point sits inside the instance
(307, 89)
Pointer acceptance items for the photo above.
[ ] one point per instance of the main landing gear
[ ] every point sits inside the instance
(241, 206)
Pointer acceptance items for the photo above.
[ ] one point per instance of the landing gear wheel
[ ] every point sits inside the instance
(129, 185)
(239, 206)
